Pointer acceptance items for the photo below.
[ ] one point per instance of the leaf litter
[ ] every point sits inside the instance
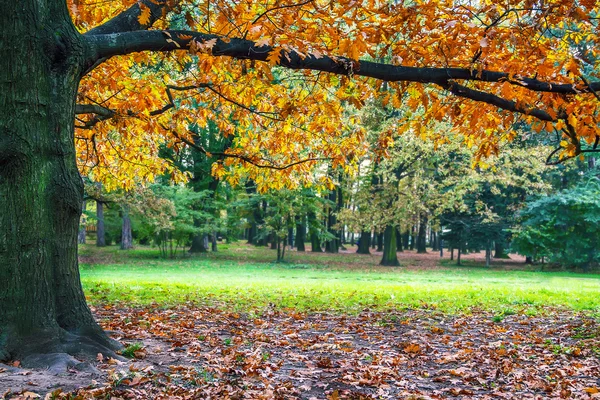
(198, 352)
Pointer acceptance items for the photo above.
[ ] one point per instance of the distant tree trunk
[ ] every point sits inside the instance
(405, 239)
(274, 241)
(199, 244)
(435, 246)
(380, 238)
(422, 237)
(451, 253)
(528, 260)
(412, 237)
(290, 238)
(364, 242)
(251, 232)
(332, 245)
(390, 258)
(100, 234)
(315, 241)
(399, 247)
(459, 253)
(283, 246)
(213, 246)
(488, 254)
(374, 240)
(126, 236)
(82, 226)
(300, 234)
(499, 249)
(278, 246)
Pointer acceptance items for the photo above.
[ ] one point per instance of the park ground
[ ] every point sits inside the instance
(236, 325)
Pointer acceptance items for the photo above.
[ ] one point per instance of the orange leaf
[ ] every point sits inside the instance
(144, 17)
(274, 57)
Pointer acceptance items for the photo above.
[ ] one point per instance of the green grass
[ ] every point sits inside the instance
(243, 278)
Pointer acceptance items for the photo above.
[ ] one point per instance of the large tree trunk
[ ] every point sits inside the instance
(42, 305)
(390, 258)
(126, 236)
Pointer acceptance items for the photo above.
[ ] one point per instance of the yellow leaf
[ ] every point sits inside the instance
(573, 121)
(144, 17)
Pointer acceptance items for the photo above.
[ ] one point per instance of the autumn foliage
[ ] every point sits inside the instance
(492, 70)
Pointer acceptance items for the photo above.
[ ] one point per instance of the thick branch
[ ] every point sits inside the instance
(129, 42)
(101, 114)
(128, 21)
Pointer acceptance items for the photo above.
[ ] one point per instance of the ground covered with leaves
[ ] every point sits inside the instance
(209, 353)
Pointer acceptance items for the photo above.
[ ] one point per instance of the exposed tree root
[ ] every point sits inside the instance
(62, 350)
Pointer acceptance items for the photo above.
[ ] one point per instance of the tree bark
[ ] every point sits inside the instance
(42, 305)
(213, 243)
(399, 247)
(198, 242)
(126, 236)
(406, 239)
(390, 258)
(364, 243)
(435, 241)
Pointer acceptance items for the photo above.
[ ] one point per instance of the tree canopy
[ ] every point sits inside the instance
(488, 69)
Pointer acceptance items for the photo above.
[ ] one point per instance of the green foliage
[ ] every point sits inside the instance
(563, 227)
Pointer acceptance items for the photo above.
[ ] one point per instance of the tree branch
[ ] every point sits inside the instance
(102, 114)
(129, 42)
(128, 20)
(201, 149)
(509, 105)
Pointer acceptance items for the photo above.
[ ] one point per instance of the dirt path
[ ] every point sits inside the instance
(207, 353)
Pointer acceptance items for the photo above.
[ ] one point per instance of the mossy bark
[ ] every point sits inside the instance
(390, 258)
(42, 305)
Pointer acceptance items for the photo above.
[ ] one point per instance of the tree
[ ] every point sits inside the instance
(562, 227)
(44, 59)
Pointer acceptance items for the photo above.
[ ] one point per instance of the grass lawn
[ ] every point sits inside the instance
(244, 278)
